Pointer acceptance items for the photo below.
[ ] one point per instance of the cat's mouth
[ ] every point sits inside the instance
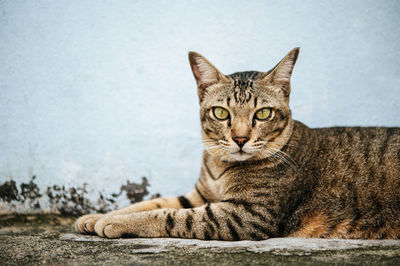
(240, 155)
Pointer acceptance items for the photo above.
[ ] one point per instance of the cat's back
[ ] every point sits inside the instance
(355, 172)
(358, 135)
(365, 154)
(359, 149)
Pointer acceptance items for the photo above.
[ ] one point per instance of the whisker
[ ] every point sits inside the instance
(211, 146)
(283, 154)
(271, 155)
(214, 149)
(278, 155)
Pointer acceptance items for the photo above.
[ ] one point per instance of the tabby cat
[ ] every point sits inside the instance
(265, 175)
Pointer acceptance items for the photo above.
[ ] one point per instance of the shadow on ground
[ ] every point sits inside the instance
(28, 239)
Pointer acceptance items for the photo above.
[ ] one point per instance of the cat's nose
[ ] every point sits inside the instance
(240, 141)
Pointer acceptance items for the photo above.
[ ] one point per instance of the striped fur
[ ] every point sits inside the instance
(286, 180)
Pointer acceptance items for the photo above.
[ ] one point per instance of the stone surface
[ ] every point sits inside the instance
(276, 245)
(51, 240)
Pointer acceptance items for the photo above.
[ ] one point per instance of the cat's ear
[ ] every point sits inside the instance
(204, 72)
(281, 73)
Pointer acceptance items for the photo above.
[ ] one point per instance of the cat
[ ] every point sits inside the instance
(265, 175)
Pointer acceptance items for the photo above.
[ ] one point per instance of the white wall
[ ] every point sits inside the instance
(99, 92)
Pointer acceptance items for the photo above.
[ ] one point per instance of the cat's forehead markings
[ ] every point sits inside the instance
(255, 101)
(243, 90)
(220, 100)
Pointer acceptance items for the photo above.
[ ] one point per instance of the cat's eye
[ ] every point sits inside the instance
(220, 113)
(263, 114)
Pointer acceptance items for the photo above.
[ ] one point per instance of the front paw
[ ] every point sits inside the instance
(112, 226)
(85, 224)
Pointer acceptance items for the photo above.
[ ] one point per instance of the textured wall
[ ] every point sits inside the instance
(100, 92)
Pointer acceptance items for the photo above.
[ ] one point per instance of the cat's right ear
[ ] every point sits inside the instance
(204, 72)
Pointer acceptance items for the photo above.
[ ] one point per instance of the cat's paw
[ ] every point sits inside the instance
(112, 226)
(86, 223)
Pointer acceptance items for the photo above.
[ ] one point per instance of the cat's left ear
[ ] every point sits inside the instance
(281, 73)
(205, 73)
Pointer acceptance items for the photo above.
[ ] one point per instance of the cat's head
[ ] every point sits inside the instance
(245, 115)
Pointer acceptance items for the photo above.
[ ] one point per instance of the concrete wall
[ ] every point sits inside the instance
(100, 92)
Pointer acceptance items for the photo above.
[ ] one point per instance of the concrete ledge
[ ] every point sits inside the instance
(47, 239)
(274, 245)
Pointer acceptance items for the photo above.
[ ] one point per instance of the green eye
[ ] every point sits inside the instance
(220, 113)
(263, 114)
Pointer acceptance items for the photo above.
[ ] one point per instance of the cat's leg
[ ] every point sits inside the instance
(218, 221)
(86, 223)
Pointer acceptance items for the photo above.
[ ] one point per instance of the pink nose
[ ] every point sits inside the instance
(240, 140)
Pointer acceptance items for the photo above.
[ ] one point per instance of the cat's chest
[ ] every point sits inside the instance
(214, 177)
(225, 180)
(216, 189)
(222, 178)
